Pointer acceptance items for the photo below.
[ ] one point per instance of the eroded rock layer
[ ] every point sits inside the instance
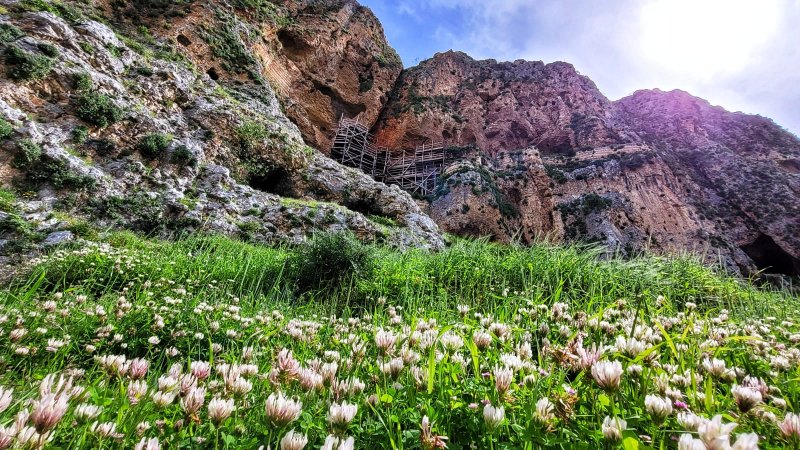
(550, 155)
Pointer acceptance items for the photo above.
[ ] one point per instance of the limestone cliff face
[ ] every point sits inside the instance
(118, 126)
(497, 106)
(323, 58)
(744, 169)
(657, 171)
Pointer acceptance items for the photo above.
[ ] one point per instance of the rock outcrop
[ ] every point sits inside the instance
(323, 58)
(552, 156)
(104, 130)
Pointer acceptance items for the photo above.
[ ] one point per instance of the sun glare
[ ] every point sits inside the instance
(707, 37)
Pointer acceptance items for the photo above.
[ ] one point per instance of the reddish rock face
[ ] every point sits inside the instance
(332, 60)
(498, 106)
(323, 58)
(661, 171)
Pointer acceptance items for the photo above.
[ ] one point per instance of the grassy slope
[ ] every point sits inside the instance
(199, 293)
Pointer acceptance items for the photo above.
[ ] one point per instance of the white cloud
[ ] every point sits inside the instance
(735, 63)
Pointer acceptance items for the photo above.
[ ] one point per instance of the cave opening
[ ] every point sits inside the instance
(212, 73)
(183, 40)
(364, 206)
(293, 45)
(770, 258)
(275, 181)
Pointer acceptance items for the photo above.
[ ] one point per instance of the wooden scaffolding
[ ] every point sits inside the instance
(414, 170)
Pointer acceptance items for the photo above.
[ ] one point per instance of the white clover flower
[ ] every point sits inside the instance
(335, 443)
(790, 426)
(690, 421)
(746, 441)
(341, 414)
(162, 399)
(631, 347)
(493, 416)
(451, 341)
(714, 367)
(544, 410)
(193, 401)
(105, 430)
(5, 398)
(385, 340)
(613, 427)
(658, 407)
(481, 339)
(282, 410)
(148, 444)
(715, 434)
(503, 377)
(687, 442)
(220, 409)
(607, 374)
(746, 397)
(294, 441)
(86, 412)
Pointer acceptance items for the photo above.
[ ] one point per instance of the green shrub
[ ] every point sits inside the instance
(556, 175)
(327, 259)
(9, 33)
(250, 133)
(366, 85)
(80, 134)
(29, 153)
(48, 49)
(67, 12)
(145, 71)
(6, 129)
(26, 65)
(137, 211)
(153, 145)
(114, 50)
(98, 109)
(182, 156)
(57, 173)
(83, 229)
(82, 81)
(226, 40)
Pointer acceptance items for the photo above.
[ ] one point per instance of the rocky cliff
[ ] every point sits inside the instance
(167, 116)
(661, 171)
(323, 58)
(159, 128)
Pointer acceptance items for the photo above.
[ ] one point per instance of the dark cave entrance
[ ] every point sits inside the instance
(366, 207)
(183, 40)
(770, 258)
(276, 181)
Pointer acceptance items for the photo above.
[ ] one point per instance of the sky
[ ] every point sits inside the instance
(743, 55)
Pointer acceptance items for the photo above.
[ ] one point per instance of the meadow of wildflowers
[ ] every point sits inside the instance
(208, 343)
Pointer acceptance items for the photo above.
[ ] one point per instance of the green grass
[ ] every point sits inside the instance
(427, 334)
(477, 271)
